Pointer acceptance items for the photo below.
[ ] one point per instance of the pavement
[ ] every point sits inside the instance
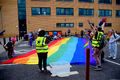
(7, 40)
(111, 68)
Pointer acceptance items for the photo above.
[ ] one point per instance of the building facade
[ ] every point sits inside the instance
(59, 15)
(9, 17)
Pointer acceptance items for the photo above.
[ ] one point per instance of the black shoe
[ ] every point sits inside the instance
(0, 43)
(41, 71)
(46, 71)
(98, 68)
(102, 61)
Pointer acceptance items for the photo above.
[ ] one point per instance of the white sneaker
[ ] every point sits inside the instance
(114, 58)
(109, 56)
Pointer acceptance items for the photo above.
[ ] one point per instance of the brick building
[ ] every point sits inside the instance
(20, 16)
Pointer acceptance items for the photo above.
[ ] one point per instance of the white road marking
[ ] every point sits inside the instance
(112, 62)
(23, 45)
(22, 51)
(8, 64)
(118, 43)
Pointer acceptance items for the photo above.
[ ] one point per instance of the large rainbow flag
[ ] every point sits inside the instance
(71, 49)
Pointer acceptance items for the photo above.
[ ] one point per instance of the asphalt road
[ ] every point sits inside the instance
(111, 70)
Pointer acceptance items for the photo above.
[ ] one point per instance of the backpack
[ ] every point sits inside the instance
(103, 41)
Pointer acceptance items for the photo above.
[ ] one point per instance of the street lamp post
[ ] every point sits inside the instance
(1, 18)
(2, 25)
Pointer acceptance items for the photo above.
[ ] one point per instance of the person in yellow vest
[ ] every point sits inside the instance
(97, 47)
(42, 50)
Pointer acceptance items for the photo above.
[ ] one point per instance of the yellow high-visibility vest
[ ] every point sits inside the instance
(96, 42)
(41, 47)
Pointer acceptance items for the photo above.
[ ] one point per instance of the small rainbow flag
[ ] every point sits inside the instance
(109, 35)
(85, 45)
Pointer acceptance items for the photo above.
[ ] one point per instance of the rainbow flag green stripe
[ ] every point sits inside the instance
(70, 50)
(60, 52)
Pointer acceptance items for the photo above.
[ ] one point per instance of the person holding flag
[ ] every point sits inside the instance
(113, 44)
(96, 44)
(10, 47)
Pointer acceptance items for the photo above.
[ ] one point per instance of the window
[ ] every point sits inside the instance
(105, 1)
(64, 0)
(86, 12)
(64, 24)
(21, 5)
(80, 24)
(106, 13)
(40, 0)
(117, 13)
(86, 1)
(21, 1)
(108, 24)
(64, 11)
(41, 11)
(22, 17)
(118, 2)
(21, 10)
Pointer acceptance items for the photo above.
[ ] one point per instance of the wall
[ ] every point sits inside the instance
(10, 17)
(49, 22)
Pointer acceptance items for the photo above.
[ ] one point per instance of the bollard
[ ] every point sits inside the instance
(65, 34)
(4, 40)
(19, 37)
(87, 77)
(16, 38)
(9, 38)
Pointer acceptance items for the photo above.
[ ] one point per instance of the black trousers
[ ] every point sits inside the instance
(102, 56)
(10, 53)
(42, 59)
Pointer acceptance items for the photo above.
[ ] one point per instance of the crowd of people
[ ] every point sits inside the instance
(99, 41)
(95, 35)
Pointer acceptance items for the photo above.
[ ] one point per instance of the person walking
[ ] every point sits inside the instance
(68, 32)
(42, 50)
(97, 48)
(31, 38)
(113, 44)
(82, 33)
